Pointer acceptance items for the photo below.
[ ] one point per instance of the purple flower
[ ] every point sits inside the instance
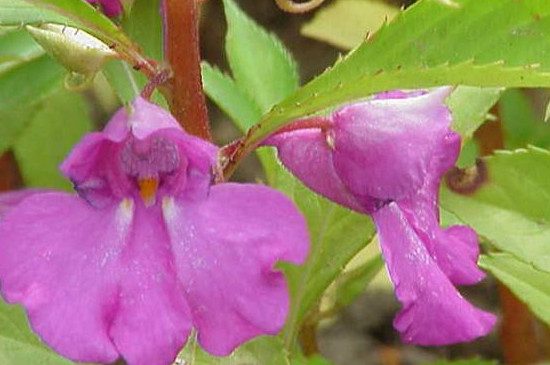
(385, 157)
(111, 8)
(149, 249)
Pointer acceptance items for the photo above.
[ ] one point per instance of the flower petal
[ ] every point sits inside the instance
(434, 312)
(9, 199)
(96, 283)
(383, 147)
(153, 320)
(53, 261)
(454, 249)
(225, 249)
(308, 155)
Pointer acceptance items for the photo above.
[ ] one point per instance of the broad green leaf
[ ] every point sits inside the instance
(528, 283)
(521, 124)
(346, 23)
(431, 44)
(510, 206)
(77, 13)
(22, 88)
(264, 350)
(259, 62)
(63, 118)
(470, 106)
(18, 345)
(144, 26)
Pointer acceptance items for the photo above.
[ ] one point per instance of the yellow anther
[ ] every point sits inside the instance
(148, 190)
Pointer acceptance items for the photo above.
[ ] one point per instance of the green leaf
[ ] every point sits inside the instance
(346, 23)
(77, 13)
(22, 88)
(529, 284)
(470, 106)
(510, 207)
(264, 350)
(259, 62)
(144, 26)
(337, 235)
(431, 44)
(17, 46)
(227, 95)
(352, 283)
(521, 125)
(18, 345)
(63, 118)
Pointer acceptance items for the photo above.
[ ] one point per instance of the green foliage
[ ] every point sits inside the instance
(144, 26)
(264, 350)
(431, 44)
(76, 13)
(22, 89)
(346, 23)
(521, 124)
(18, 345)
(53, 131)
(510, 209)
(470, 106)
(260, 64)
(352, 283)
(528, 283)
(464, 362)
(337, 234)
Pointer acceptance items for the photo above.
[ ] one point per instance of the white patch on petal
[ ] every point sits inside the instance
(124, 216)
(169, 208)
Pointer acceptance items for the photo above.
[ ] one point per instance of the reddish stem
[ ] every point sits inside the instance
(181, 40)
(10, 178)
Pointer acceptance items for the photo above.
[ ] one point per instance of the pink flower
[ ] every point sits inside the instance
(150, 249)
(385, 157)
(111, 8)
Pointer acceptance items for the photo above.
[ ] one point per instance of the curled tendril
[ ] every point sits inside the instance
(294, 7)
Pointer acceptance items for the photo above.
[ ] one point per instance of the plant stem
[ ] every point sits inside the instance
(10, 177)
(181, 41)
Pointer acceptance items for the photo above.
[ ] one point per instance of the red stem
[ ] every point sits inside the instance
(181, 39)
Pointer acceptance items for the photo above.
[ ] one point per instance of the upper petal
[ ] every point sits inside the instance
(9, 199)
(434, 312)
(307, 153)
(383, 147)
(225, 249)
(96, 283)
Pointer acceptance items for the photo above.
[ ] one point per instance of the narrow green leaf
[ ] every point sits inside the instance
(509, 206)
(529, 284)
(63, 118)
(346, 23)
(259, 62)
(432, 44)
(236, 103)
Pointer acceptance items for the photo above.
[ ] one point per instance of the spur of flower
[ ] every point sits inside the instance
(385, 157)
(111, 8)
(149, 248)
